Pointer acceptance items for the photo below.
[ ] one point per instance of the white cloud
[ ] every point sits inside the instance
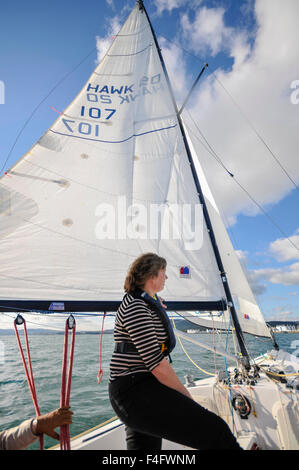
(207, 30)
(283, 250)
(169, 5)
(256, 281)
(259, 81)
(288, 276)
(243, 256)
(208, 34)
(176, 67)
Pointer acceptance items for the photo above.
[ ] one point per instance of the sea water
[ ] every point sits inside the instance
(89, 400)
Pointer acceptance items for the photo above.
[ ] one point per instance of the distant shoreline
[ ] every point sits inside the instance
(286, 331)
(33, 331)
(181, 324)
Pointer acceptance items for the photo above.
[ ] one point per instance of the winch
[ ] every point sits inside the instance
(242, 405)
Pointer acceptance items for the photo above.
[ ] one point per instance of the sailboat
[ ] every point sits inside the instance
(116, 175)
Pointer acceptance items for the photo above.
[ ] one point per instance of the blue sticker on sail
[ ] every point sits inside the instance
(185, 272)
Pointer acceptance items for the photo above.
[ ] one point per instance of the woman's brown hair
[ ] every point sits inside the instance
(142, 269)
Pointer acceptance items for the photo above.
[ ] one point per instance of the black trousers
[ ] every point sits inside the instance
(152, 411)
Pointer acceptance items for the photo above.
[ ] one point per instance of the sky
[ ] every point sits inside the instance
(244, 111)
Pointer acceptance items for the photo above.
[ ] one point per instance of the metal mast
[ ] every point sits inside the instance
(244, 357)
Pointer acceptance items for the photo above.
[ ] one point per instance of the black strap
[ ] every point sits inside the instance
(125, 347)
(129, 348)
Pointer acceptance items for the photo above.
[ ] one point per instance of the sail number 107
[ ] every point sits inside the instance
(87, 128)
(97, 113)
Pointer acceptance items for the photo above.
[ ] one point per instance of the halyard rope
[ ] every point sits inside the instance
(29, 373)
(70, 324)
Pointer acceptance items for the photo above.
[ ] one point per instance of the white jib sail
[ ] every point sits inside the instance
(249, 314)
(108, 181)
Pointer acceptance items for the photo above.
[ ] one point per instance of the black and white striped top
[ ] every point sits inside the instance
(136, 322)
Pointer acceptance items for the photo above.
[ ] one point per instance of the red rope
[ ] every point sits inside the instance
(100, 372)
(29, 373)
(70, 324)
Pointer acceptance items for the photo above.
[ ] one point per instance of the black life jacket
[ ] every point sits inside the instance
(170, 343)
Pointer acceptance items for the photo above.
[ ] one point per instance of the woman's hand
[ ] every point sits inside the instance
(167, 376)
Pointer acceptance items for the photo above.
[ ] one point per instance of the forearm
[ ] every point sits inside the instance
(167, 376)
(17, 438)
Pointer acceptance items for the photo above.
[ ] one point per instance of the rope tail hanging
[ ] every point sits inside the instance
(100, 372)
(70, 324)
(29, 373)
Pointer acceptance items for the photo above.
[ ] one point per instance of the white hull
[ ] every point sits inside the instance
(272, 423)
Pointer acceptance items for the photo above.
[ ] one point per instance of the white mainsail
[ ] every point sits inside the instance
(113, 156)
(109, 180)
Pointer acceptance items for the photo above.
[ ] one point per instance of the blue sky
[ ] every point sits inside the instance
(251, 46)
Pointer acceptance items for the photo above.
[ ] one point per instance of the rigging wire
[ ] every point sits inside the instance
(33, 323)
(40, 103)
(256, 132)
(46, 325)
(259, 136)
(213, 153)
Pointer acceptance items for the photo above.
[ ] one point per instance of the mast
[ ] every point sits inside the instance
(238, 332)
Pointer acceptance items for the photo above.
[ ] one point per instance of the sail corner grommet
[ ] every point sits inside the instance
(19, 320)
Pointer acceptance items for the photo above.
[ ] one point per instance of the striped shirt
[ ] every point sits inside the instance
(137, 323)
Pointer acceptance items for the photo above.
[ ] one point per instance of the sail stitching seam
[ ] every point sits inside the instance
(117, 141)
